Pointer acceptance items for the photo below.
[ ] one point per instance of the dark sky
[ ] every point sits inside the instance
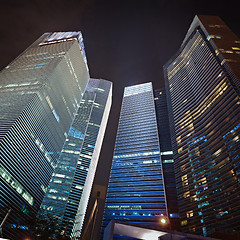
(127, 42)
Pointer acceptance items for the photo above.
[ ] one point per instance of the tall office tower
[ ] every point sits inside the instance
(40, 93)
(136, 192)
(69, 190)
(160, 100)
(203, 80)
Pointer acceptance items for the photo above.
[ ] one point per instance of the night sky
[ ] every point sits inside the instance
(126, 42)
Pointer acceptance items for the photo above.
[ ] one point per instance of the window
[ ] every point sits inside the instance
(186, 194)
(184, 222)
(189, 214)
(184, 177)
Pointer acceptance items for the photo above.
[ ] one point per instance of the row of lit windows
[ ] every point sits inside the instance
(185, 58)
(202, 86)
(15, 185)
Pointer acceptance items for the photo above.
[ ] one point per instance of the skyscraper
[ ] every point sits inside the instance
(68, 192)
(203, 81)
(40, 93)
(160, 100)
(136, 191)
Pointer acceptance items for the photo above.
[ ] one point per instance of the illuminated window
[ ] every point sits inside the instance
(192, 228)
(62, 198)
(189, 214)
(72, 144)
(186, 194)
(60, 175)
(202, 181)
(233, 130)
(193, 198)
(150, 161)
(235, 48)
(167, 153)
(185, 183)
(221, 213)
(183, 168)
(203, 204)
(53, 191)
(57, 181)
(184, 222)
(218, 152)
(44, 188)
(184, 177)
(178, 139)
(226, 51)
(168, 161)
(215, 26)
(216, 93)
(204, 229)
(141, 154)
(15, 185)
(236, 139)
(180, 150)
(213, 36)
(52, 196)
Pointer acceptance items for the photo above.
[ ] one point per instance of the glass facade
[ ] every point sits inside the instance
(40, 93)
(69, 190)
(203, 91)
(136, 192)
(160, 100)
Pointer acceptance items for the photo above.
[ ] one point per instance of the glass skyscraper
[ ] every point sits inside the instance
(40, 93)
(161, 106)
(203, 82)
(136, 190)
(69, 190)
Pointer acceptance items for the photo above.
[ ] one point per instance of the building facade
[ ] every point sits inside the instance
(67, 196)
(203, 83)
(40, 94)
(136, 190)
(166, 152)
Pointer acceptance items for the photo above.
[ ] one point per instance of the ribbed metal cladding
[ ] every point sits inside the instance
(206, 118)
(40, 92)
(135, 191)
(78, 160)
